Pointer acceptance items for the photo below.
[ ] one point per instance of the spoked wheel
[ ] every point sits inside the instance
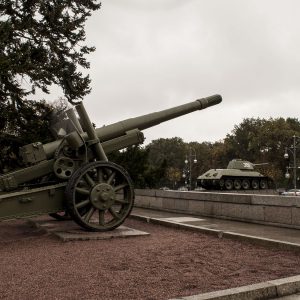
(61, 216)
(100, 196)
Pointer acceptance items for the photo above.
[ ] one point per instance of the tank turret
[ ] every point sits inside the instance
(239, 174)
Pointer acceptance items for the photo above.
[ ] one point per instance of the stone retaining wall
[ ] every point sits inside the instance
(275, 210)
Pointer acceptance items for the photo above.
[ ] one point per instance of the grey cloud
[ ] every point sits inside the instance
(160, 53)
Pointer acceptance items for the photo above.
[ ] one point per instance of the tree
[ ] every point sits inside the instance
(259, 140)
(41, 45)
(134, 160)
(172, 150)
(18, 128)
(203, 153)
(174, 176)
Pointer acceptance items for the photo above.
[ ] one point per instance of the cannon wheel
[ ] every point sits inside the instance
(100, 196)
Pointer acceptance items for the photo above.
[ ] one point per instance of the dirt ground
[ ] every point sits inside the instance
(168, 263)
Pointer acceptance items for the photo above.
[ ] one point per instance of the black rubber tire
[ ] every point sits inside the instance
(228, 184)
(263, 184)
(246, 184)
(221, 184)
(255, 184)
(237, 184)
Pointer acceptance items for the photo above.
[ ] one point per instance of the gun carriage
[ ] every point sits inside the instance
(72, 174)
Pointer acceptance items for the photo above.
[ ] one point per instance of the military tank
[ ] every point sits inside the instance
(240, 174)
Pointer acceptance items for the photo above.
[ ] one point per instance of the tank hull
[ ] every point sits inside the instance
(232, 179)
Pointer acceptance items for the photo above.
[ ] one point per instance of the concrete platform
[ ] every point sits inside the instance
(273, 210)
(70, 231)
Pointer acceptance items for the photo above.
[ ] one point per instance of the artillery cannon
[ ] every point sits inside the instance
(72, 174)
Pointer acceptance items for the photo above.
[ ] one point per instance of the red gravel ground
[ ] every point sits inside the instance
(166, 264)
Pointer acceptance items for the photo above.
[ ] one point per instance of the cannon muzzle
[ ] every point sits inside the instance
(120, 128)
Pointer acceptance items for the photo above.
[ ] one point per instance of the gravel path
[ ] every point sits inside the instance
(168, 263)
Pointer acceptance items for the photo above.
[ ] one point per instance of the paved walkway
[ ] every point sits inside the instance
(263, 232)
(270, 235)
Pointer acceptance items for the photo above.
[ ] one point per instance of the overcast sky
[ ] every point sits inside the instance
(152, 55)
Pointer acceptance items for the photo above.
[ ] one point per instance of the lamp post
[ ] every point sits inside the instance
(292, 150)
(184, 175)
(190, 158)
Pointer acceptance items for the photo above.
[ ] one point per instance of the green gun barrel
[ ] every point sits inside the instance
(142, 122)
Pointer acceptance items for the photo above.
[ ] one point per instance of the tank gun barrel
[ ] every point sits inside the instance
(120, 128)
(261, 164)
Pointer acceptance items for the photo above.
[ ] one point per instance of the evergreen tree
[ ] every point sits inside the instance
(134, 160)
(41, 43)
(18, 128)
